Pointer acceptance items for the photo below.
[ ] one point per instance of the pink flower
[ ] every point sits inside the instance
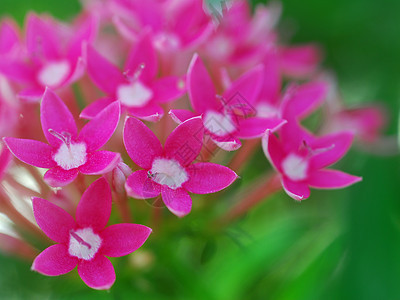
(296, 103)
(226, 118)
(54, 56)
(86, 242)
(137, 89)
(301, 158)
(176, 25)
(169, 170)
(68, 153)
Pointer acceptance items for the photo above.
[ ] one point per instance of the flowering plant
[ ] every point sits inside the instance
(177, 102)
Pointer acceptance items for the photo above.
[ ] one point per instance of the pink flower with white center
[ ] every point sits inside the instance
(68, 153)
(176, 24)
(54, 56)
(138, 89)
(301, 158)
(241, 38)
(169, 170)
(226, 118)
(86, 242)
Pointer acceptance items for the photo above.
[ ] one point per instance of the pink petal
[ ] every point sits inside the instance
(300, 60)
(104, 74)
(185, 142)
(58, 177)
(246, 89)
(94, 209)
(256, 127)
(304, 100)
(54, 261)
(93, 109)
(8, 37)
(296, 190)
(181, 115)
(55, 115)
(200, 87)
(31, 94)
(151, 112)
(97, 273)
(31, 152)
(41, 38)
(100, 129)
(18, 71)
(227, 143)
(85, 34)
(330, 149)
(271, 87)
(77, 72)
(138, 185)
(273, 150)
(143, 53)
(5, 160)
(177, 201)
(123, 239)
(100, 162)
(205, 178)
(55, 222)
(168, 89)
(331, 179)
(141, 143)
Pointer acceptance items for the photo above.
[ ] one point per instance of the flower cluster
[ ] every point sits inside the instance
(101, 96)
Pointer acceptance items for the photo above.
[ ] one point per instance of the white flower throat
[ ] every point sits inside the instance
(84, 243)
(168, 172)
(69, 155)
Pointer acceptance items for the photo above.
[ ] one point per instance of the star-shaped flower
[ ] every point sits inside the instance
(138, 89)
(169, 170)
(68, 153)
(301, 159)
(86, 242)
(229, 117)
(53, 56)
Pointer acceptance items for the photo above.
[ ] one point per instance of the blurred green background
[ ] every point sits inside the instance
(336, 245)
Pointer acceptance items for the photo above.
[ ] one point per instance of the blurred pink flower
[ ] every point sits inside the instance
(138, 89)
(53, 56)
(86, 242)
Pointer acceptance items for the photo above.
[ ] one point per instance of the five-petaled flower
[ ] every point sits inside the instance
(86, 242)
(226, 120)
(301, 158)
(138, 89)
(166, 170)
(68, 153)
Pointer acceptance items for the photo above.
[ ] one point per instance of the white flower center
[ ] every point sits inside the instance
(134, 95)
(54, 73)
(70, 156)
(219, 124)
(166, 40)
(168, 172)
(295, 167)
(83, 243)
(265, 110)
